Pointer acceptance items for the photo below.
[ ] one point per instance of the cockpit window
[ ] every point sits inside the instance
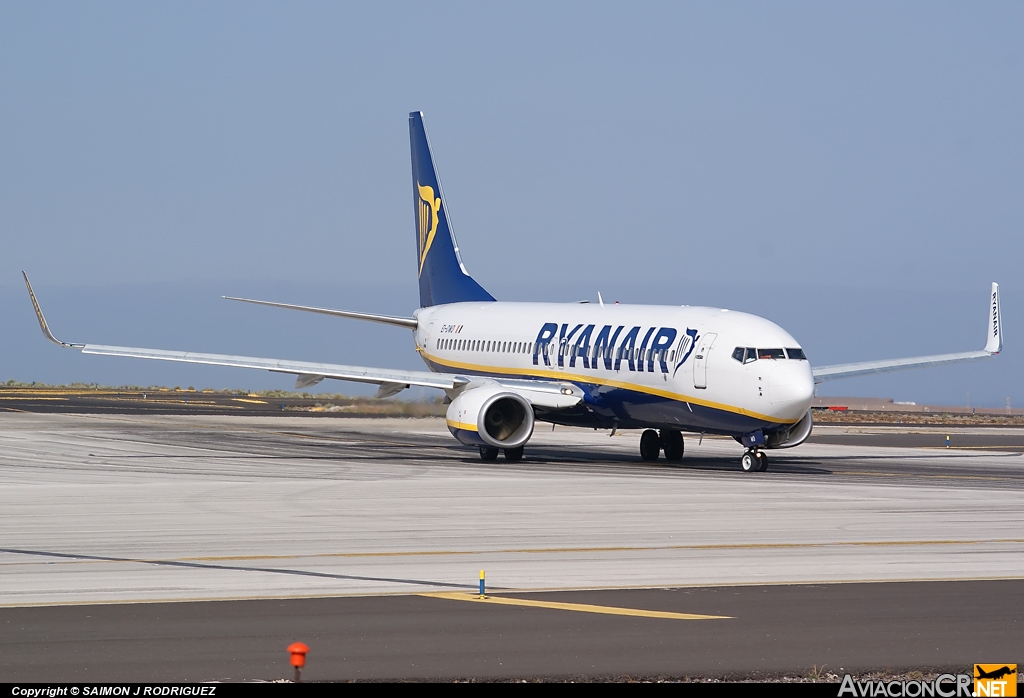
(796, 353)
(744, 354)
(770, 354)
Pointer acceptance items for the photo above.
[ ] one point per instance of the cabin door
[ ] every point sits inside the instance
(426, 339)
(700, 360)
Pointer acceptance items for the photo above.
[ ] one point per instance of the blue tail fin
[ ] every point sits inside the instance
(443, 279)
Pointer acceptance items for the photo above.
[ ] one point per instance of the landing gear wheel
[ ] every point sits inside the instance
(650, 445)
(513, 455)
(762, 460)
(488, 453)
(672, 444)
(749, 462)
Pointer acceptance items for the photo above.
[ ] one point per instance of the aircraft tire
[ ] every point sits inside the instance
(513, 455)
(672, 444)
(762, 461)
(749, 462)
(488, 453)
(650, 445)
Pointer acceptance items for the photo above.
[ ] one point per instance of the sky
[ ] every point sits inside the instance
(850, 171)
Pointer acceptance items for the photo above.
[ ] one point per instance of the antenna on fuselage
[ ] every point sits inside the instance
(599, 299)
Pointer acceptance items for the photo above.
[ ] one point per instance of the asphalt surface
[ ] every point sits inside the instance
(867, 552)
(994, 439)
(770, 629)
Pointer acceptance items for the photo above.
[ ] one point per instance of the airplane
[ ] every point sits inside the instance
(504, 366)
(995, 674)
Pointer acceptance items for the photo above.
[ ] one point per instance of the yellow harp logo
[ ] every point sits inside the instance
(427, 208)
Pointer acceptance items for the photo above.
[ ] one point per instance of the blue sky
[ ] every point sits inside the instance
(852, 172)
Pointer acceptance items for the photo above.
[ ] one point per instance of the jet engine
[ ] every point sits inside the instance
(491, 415)
(791, 436)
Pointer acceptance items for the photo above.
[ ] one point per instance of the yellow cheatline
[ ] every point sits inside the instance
(553, 373)
(559, 606)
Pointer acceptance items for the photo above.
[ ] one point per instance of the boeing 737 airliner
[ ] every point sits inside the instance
(504, 366)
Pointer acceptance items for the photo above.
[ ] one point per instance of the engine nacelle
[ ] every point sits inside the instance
(793, 436)
(490, 416)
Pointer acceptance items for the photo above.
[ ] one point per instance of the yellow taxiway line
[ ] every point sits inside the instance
(560, 606)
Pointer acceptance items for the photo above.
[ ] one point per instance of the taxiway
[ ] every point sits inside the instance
(244, 515)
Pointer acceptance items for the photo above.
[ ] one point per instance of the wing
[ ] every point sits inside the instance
(551, 394)
(993, 345)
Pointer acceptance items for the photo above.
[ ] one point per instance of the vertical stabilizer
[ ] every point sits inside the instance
(443, 278)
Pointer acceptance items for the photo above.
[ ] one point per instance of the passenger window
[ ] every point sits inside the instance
(796, 353)
(770, 354)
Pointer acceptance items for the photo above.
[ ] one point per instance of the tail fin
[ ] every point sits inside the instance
(443, 279)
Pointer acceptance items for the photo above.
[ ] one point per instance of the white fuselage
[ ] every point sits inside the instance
(639, 365)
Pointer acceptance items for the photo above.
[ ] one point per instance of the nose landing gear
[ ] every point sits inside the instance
(754, 461)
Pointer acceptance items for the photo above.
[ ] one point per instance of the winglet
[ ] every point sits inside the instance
(994, 345)
(42, 321)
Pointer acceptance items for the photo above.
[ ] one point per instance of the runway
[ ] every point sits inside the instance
(121, 509)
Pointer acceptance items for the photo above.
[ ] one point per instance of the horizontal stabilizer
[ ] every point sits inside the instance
(408, 322)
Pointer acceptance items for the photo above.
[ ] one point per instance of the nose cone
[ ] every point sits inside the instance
(790, 388)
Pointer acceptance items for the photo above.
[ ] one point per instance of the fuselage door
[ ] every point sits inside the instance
(426, 338)
(700, 360)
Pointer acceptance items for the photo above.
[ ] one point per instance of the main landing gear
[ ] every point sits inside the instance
(669, 440)
(754, 461)
(512, 455)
